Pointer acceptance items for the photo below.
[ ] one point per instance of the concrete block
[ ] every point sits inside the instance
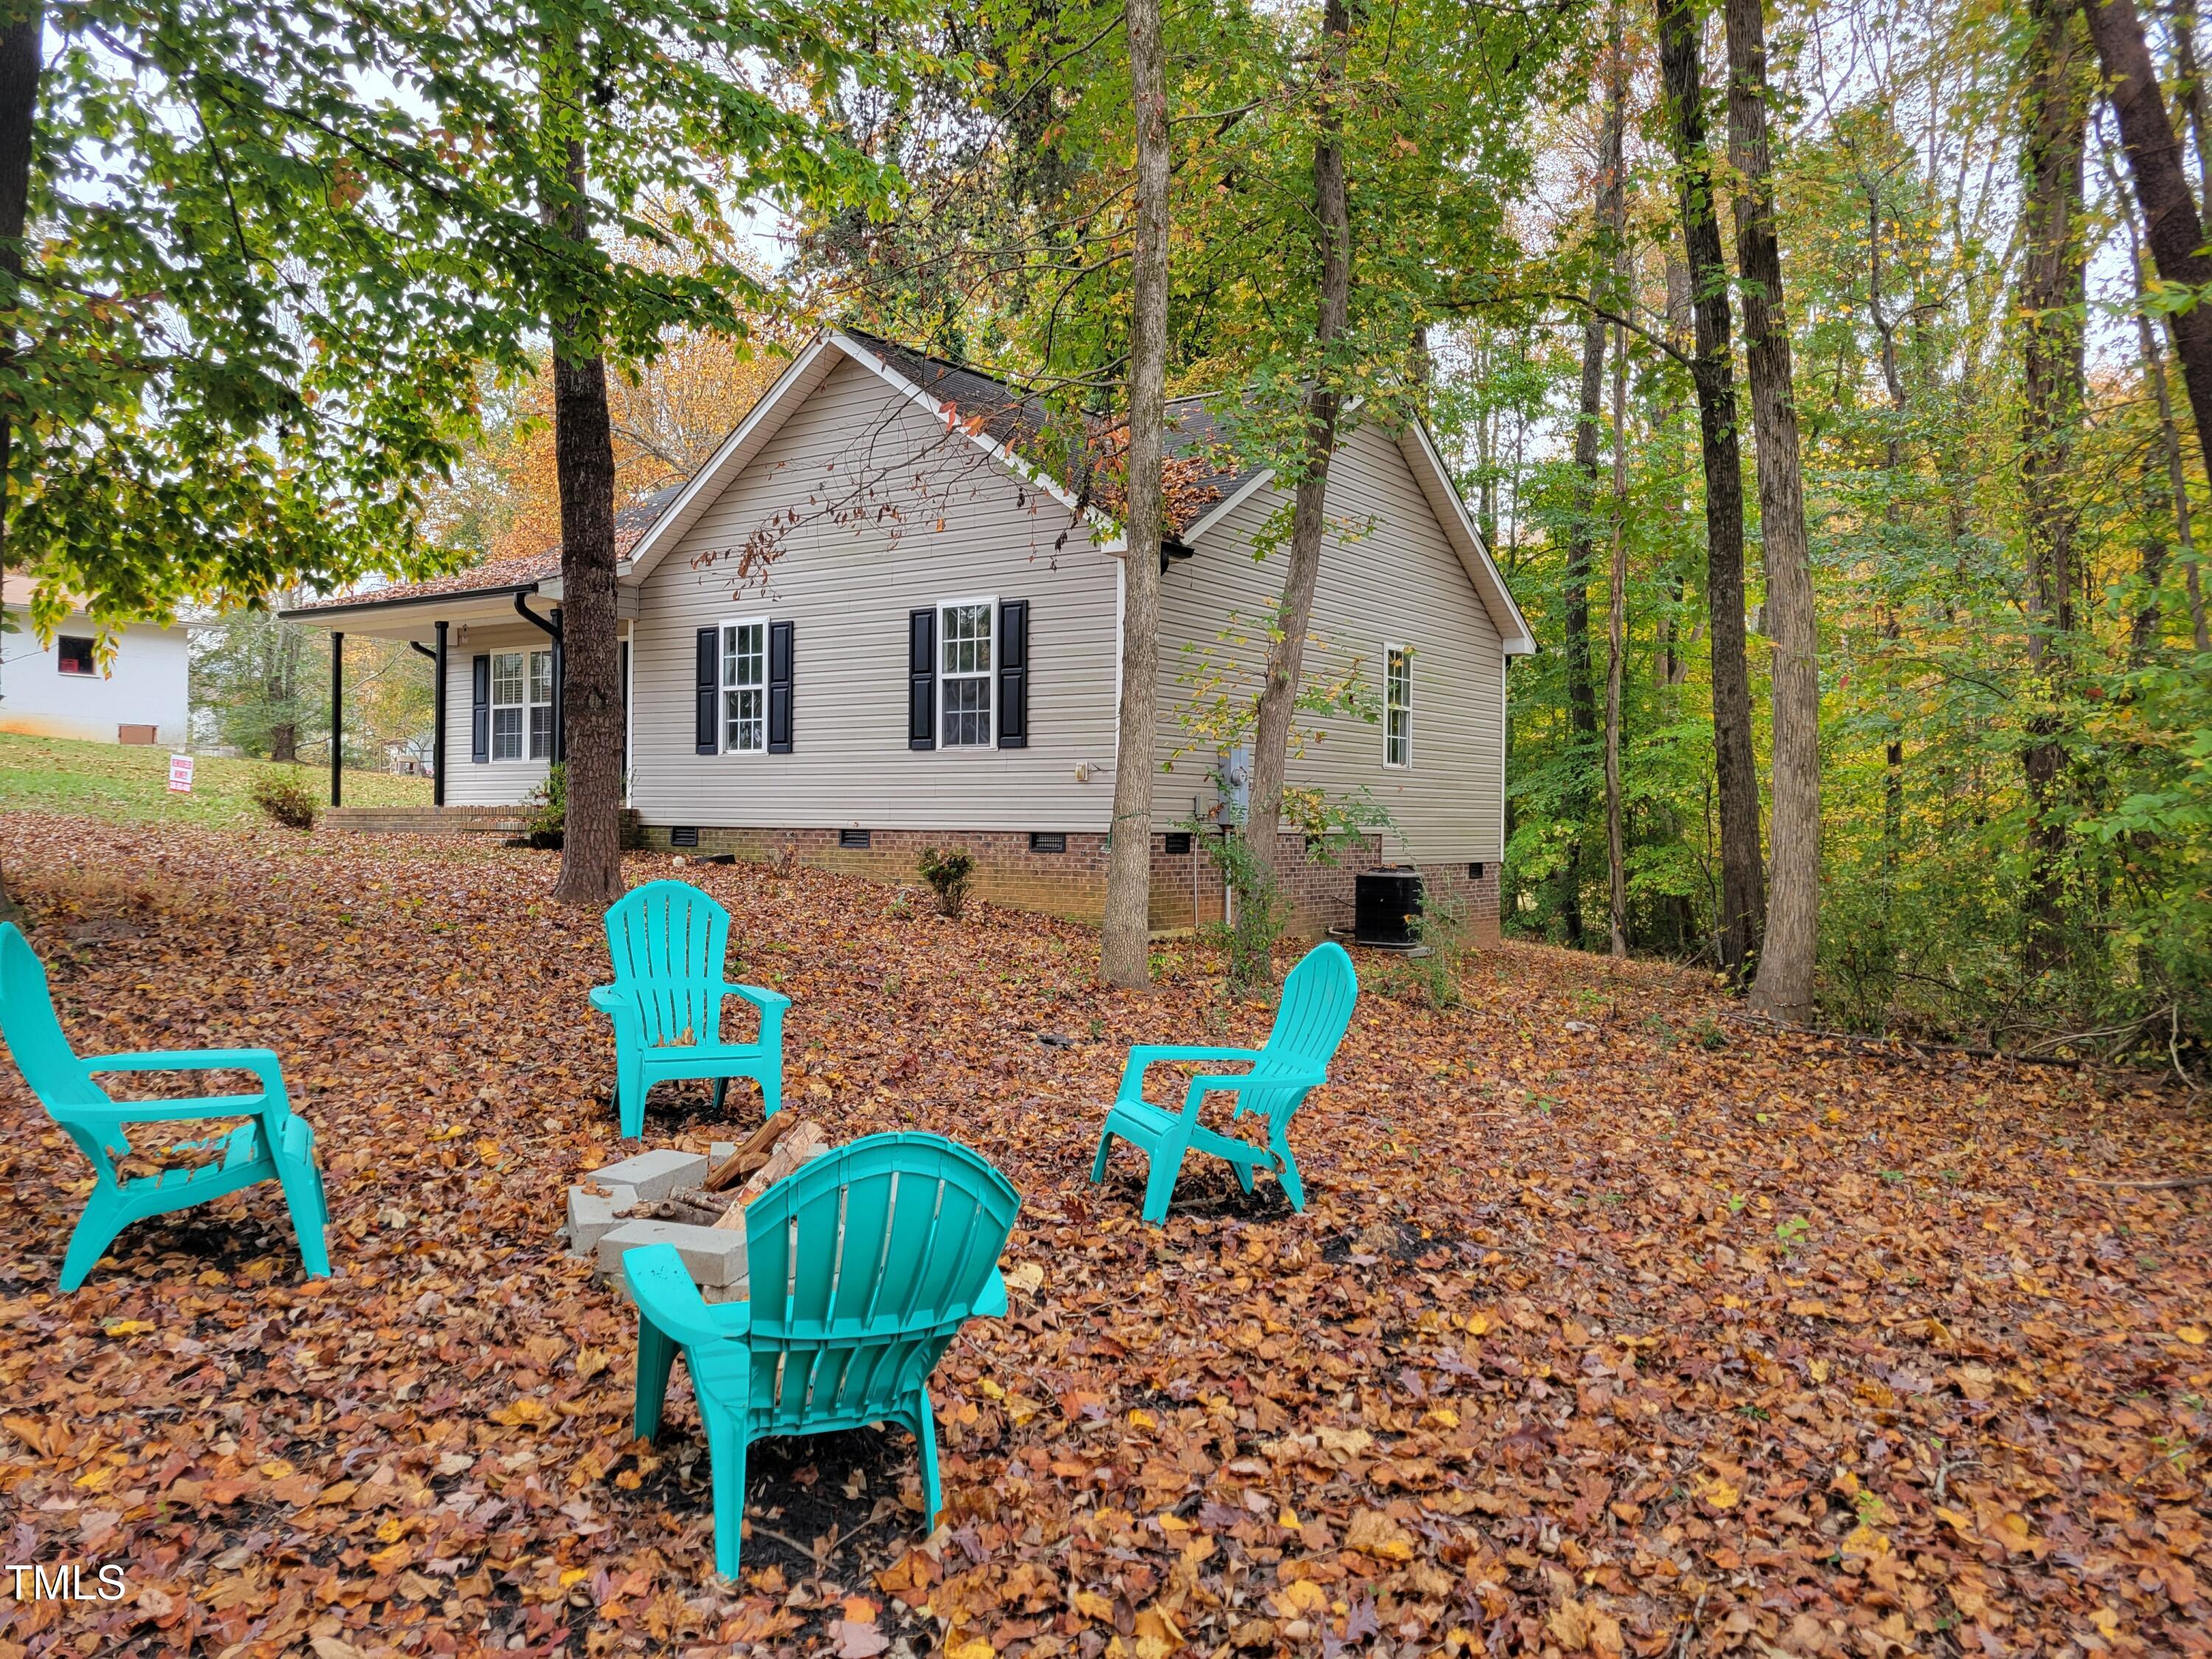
(712, 1256)
(720, 1152)
(654, 1174)
(591, 1217)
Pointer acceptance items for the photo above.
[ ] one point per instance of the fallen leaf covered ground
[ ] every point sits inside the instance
(1612, 1326)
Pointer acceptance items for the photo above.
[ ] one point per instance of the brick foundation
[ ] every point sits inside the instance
(1186, 887)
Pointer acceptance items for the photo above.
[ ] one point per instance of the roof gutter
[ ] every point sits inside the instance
(311, 613)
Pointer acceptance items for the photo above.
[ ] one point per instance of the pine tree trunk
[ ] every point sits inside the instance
(1784, 989)
(19, 67)
(1124, 941)
(2175, 228)
(1735, 765)
(583, 464)
(1309, 510)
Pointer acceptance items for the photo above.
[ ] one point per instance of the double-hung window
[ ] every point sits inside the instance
(744, 687)
(965, 629)
(521, 705)
(1397, 705)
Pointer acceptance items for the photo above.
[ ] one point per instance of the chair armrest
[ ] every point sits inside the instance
(1147, 1054)
(262, 1062)
(760, 997)
(115, 1113)
(667, 1295)
(992, 1303)
(611, 998)
(1202, 1086)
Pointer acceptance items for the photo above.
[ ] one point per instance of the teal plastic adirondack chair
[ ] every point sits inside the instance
(863, 1266)
(274, 1146)
(668, 941)
(1309, 1023)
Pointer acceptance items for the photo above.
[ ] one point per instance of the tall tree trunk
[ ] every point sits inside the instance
(1612, 211)
(1582, 559)
(1736, 766)
(2174, 228)
(1309, 503)
(1892, 757)
(583, 464)
(2051, 298)
(2177, 471)
(1124, 952)
(1784, 989)
(20, 66)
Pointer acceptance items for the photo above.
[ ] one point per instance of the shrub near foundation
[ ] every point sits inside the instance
(948, 871)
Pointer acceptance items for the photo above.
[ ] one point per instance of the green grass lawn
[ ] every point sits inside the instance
(130, 785)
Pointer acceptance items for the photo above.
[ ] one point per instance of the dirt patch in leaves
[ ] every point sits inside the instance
(1595, 1337)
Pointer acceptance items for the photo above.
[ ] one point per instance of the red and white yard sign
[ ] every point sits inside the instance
(180, 775)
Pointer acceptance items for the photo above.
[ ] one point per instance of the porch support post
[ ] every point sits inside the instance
(338, 719)
(560, 690)
(437, 714)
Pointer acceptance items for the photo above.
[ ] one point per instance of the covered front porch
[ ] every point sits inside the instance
(493, 636)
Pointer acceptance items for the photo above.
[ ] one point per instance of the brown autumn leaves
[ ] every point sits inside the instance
(1613, 1327)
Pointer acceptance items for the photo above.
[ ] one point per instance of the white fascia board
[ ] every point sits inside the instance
(1228, 504)
(1435, 480)
(1105, 534)
(793, 387)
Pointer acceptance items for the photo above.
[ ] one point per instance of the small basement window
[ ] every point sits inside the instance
(852, 838)
(1474, 871)
(684, 835)
(1178, 842)
(1047, 841)
(73, 655)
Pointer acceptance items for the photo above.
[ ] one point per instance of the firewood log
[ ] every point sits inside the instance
(751, 1155)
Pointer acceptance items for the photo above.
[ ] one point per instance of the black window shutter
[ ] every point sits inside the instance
(779, 687)
(1013, 673)
(480, 708)
(707, 685)
(921, 679)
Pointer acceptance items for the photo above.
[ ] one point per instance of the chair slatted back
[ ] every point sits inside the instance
(41, 1051)
(862, 1266)
(667, 940)
(1318, 995)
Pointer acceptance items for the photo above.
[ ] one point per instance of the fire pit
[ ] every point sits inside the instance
(696, 1203)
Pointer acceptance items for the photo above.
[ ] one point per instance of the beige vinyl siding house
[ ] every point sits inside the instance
(896, 516)
(868, 625)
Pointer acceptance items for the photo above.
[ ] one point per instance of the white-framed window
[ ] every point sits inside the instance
(744, 686)
(1397, 704)
(521, 705)
(967, 633)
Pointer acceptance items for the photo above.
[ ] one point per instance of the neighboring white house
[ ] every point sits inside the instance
(141, 694)
(867, 624)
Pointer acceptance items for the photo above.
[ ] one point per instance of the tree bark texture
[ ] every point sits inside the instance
(1286, 650)
(2052, 297)
(1124, 950)
(19, 67)
(583, 464)
(1784, 989)
(1735, 765)
(2172, 223)
(2192, 92)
